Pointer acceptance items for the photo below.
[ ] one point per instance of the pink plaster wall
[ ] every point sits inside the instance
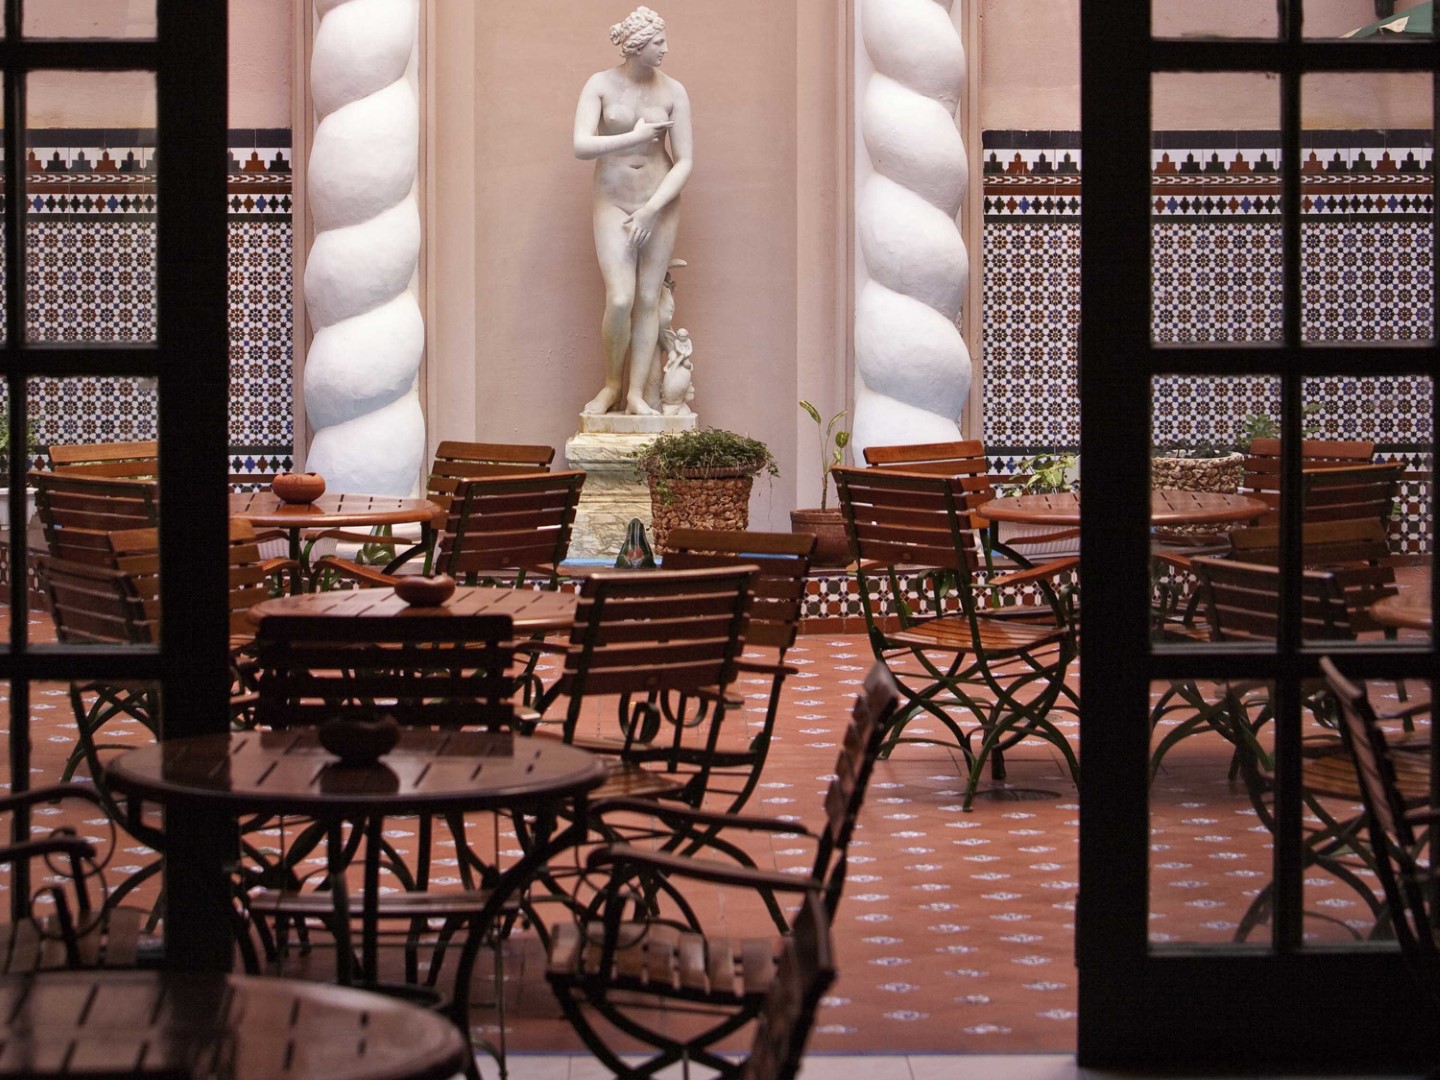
(536, 291)
(261, 47)
(1030, 69)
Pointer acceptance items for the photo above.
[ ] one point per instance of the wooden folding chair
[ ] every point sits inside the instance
(424, 667)
(914, 534)
(777, 597)
(1394, 825)
(455, 462)
(77, 510)
(621, 967)
(966, 458)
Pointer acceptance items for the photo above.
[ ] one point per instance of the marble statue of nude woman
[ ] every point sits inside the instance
(622, 120)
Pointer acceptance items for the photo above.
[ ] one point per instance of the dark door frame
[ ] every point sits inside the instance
(1279, 1003)
(189, 358)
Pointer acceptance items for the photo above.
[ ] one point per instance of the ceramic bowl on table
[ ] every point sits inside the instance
(425, 590)
(301, 488)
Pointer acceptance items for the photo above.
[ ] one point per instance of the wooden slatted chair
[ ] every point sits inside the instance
(101, 605)
(1263, 466)
(777, 597)
(254, 577)
(77, 510)
(951, 653)
(660, 644)
(115, 459)
(454, 463)
(68, 918)
(1394, 827)
(621, 968)
(966, 458)
(1241, 603)
(425, 667)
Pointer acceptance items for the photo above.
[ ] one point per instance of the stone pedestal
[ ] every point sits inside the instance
(612, 494)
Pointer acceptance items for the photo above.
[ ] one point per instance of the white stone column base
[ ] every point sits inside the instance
(612, 493)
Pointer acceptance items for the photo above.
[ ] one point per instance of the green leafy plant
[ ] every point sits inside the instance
(1263, 426)
(701, 452)
(1045, 472)
(32, 439)
(832, 447)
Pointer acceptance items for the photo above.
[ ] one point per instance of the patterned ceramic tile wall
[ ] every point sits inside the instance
(90, 275)
(1366, 246)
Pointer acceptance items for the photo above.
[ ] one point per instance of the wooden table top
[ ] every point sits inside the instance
(265, 510)
(290, 772)
(149, 1024)
(1167, 507)
(1407, 609)
(529, 609)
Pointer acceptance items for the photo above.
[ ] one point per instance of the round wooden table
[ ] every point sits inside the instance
(427, 773)
(1167, 507)
(148, 1024)
(531, 610)
(265, 510)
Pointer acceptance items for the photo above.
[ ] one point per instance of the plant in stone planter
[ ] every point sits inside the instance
(701, 478)
(1197, 468)
(832, 548)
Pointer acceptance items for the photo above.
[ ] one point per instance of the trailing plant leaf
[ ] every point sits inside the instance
(832, 447)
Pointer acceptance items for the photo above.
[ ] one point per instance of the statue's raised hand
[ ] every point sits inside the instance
(652, 129)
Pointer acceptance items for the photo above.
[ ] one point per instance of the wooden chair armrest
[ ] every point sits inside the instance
(1035, 573)
(688, 815)
(366, 575)
(541, 646)
(625, 857)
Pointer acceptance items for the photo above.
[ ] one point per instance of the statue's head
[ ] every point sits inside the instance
(634, 32)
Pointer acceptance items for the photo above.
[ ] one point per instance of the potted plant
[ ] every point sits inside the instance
(32, 447)
(1198, 468)
(832, 547)
(1042, 473)
(701, 478)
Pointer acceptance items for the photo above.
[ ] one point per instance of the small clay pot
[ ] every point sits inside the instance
(425, 591)
(359, 742)
(302, 488)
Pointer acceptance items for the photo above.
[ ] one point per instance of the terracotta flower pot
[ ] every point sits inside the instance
(298, 487)
(832, 546)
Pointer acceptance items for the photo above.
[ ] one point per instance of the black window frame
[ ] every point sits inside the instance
(189, 359)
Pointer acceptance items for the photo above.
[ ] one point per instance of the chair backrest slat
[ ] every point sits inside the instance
(900, 518)
(806, 969)
(456, 461)
(94, 604)
(1392, 838)
(642, 630)
(117, 459)
(434, 669)
(76, 511)
(1242, 601)
(510, 524)
(778, 592)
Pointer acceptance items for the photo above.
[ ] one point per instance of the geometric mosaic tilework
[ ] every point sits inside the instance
(1367, 266)
(90, 275)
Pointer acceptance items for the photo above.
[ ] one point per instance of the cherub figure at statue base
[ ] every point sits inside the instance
(677, 389)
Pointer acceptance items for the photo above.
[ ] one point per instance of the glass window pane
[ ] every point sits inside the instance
(90, 207)
(1366, 239)
(97, 500)
(1210, 847)
(1216, 250)
(90, 18)
(1215, 18)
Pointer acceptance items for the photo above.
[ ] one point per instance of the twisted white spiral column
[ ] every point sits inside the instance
(912, 366)
(361, 373)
